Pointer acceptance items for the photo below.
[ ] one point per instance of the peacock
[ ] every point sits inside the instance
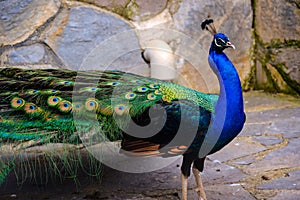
(58, 105)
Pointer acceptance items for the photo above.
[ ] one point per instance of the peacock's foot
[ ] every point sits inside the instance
(199, 189)
(200, 195)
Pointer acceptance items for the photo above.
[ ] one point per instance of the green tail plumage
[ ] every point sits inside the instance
(57, 106)
(4, 171)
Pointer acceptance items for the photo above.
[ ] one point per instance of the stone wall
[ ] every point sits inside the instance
(277, 45)
(71, 34)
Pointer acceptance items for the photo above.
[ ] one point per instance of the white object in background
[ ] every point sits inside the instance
(161, 58)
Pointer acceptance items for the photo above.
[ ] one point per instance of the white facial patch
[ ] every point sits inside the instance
(216, 43)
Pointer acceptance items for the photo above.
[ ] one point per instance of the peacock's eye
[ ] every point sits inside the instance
(219, 42)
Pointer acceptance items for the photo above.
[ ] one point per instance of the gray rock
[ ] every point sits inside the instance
(76, 33)
(19, 19)
(191, 13)
(277, 25)
(224, 192)
(219, 173)
(247, 160)
(267, 140)
(290, 195)
(198, 79)
(277, 20)
(34, 54)
(107, 4)
(169, 178)
(136, 64)
(124, 8)
(258, 101)
(35, 66)
(254, 129)
(148, 9)
(273, 115)
(120, 195)
(286, 157)
(291, 182)
(260, 75)
(277, 77)
(236, 149)
(290, 58)
(28, 54)
(288, 128)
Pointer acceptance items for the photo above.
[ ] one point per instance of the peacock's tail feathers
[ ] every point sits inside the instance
(49, 106)
(53, 162)
(42, 104)
(4, 171)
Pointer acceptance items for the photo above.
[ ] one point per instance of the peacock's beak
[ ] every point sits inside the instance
(229, 45)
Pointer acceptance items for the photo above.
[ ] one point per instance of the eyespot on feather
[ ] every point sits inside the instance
(77, 106)
(114, 83)
(52, 117)
(151, 97)
(135, 81)
(153, 86)
(65, 106)
(130, 96)
(50, 91)
(91, 104)
(89, 89)
(32, 91)
(120, 109)
(31, 108)
(142, 89)
(17, 102)
(65, 82)
(53, 101)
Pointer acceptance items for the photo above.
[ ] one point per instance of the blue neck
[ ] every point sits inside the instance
(229, 109)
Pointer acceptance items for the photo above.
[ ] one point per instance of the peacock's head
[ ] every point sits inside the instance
(221, 42)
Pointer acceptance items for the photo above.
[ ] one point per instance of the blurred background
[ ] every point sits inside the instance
(61, 34)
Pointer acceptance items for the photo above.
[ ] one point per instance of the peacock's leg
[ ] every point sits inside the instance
(184, 182)
(199, 189)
